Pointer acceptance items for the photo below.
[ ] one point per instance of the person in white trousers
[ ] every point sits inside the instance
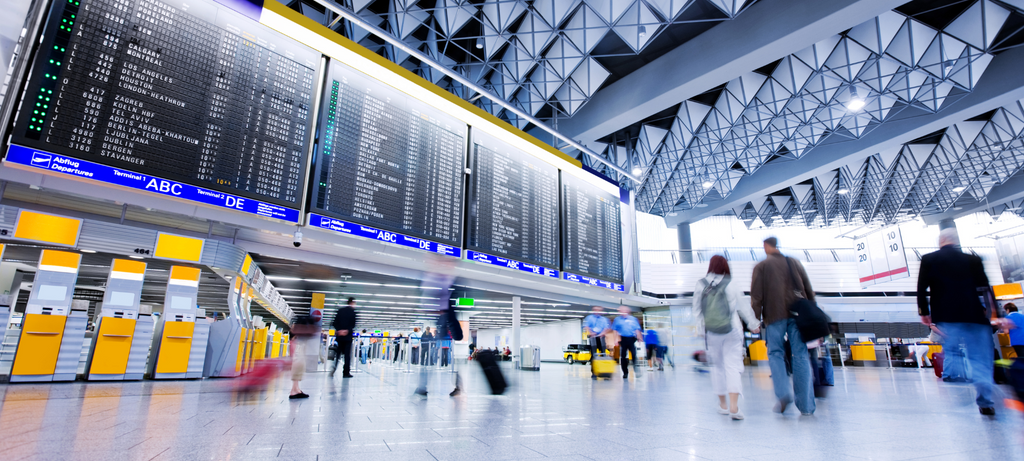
(725, 351)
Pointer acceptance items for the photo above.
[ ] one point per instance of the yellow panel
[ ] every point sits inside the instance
(185, 273)
(318, 300)
(60, 259)
(250, 345)
(113, 343)
(864, 351)
(172, 246)
(275, 349)
(932, 349)
(241, 350)
(245, 265)
(1008, 291)
(323, 31)
(39, 345)
(129, 266)
(2, 248)
(41, 227)
(758, 351)
(175, 347)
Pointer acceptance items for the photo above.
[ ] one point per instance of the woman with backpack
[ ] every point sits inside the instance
(719, 309)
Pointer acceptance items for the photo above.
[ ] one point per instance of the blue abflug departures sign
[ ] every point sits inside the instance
(107, 174)
(359, 230)
(510, 263)
(593, 281)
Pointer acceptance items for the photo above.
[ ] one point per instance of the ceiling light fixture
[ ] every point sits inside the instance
(855, 103)
(637, 171)
(642, 32)
(135, 257)
(959, 189)
(843, 191)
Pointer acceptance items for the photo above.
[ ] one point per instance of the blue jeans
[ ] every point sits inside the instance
(802, 383)
(953, 364)
(979, 349)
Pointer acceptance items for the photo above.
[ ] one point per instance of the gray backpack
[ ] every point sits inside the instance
(714, 305)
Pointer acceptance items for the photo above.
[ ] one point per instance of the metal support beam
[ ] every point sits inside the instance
(516, 304)
(1002, 83)
(1012, 189)
(767, 31)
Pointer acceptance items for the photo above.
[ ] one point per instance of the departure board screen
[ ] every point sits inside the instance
(592, 224)
(387, 160)
(513, 203)
(186, 91)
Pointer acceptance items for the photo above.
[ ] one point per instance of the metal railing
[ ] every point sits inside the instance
(812, 255)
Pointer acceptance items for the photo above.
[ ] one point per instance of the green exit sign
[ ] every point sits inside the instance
(464, 302)
(376, 332)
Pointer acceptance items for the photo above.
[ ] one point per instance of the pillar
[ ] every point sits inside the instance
(685, 244)
(516, 302)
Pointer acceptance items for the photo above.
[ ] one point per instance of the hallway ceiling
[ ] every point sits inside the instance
(911, 113)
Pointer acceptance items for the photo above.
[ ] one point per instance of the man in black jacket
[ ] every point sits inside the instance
(958, 307)
(344, 324)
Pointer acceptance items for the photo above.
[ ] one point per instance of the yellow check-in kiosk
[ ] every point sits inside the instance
(284, 346)
(50, 345)
(122, 339)
(172, 341)
(275, 345)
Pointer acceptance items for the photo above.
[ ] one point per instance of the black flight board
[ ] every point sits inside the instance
(592, 225)
(513, 203)
(189, 91)
(388, 160)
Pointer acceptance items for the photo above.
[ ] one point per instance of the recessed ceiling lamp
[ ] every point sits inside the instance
(843, 191)
(707, 184)
(479, 44)
(637, 171)
(959, 189)
(135, 257)
(855, 103)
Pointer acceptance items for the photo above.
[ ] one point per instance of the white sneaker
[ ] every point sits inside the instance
(736, 416)
(723, 411)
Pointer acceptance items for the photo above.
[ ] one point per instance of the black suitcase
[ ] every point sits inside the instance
(489, 363)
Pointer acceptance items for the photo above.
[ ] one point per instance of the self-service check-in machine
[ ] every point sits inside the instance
(228, 337)
(275, 345)
(172, 341)
(200, 338)
(52, 334)
(120, 346)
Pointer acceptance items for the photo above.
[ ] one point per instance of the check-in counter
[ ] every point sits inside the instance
(172, 342)
(275, 345)
(52, 334)
(112, 347)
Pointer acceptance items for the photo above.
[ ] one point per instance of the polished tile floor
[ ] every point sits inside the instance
(556, 413)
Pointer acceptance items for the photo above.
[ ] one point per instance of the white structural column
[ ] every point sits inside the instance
(516, 302)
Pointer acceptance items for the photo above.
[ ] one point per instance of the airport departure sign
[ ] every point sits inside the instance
(592, 226)
(387, 160)
(513, 207)
(192, 94)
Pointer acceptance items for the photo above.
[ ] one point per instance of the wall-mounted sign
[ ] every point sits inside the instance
(881, 257)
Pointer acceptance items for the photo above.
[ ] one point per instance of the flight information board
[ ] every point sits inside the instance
(513, 203)
(186, 91)
(388, 160)
(592, 227)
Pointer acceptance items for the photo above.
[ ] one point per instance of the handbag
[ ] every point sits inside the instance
(811, 321)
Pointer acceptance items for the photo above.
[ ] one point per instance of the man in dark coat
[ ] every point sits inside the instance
(775, 285)
(959, 306)
(344, 325)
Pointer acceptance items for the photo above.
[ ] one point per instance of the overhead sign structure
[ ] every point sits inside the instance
(881, 257)
(217, 105)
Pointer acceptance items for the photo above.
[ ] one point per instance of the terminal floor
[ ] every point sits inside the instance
(557, 413)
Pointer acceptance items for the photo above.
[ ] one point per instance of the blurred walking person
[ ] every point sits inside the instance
(344, 326)
(777, 283)
(719, 313)
(304, 330)
(953, 294)
(437, 285)
(628, 328)
(597, 327)
(651, 344)
(414, 346)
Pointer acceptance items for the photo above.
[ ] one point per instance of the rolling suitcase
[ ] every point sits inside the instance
(488, 361)
(603, 365)
(937, 359)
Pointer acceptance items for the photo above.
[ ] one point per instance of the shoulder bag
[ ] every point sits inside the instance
(811, 321)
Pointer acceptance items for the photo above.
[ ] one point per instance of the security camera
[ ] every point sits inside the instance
(297, 239)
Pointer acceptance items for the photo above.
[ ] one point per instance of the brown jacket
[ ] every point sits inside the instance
(771, 290)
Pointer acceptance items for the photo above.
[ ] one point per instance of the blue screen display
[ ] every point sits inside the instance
(345, 227)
